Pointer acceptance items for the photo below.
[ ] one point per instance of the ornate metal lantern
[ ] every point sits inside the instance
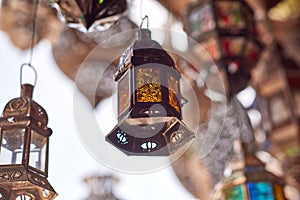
(91, 13)
(149, 99)
(24, 150)
(280, 91)
(252, 183)
(225, 29)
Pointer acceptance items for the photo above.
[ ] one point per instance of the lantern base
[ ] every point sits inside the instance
(155, 136)
(17, 181)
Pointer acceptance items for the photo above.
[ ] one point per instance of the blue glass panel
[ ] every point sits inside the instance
(235, 193)
(260, 191)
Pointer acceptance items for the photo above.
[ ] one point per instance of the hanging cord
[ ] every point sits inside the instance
(35, 8)
(142, 22)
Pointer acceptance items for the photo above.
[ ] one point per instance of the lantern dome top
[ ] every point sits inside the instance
(143, 51)
(25, 106)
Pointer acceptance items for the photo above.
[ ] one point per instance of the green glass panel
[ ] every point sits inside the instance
(235, 193)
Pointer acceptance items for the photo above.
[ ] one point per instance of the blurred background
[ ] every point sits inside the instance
(271, 97)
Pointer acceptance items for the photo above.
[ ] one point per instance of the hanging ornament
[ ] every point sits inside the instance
(247, 177)
(92, 14)
(149, 101)
(226, 31)
(279, 88)
(24, 142)
(252, 183)
(24, 149)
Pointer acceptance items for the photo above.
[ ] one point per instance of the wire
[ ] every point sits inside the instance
(35, 9)
(143, 19)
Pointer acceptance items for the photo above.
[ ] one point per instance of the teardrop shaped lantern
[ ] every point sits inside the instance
(24, 150)
(149, 101)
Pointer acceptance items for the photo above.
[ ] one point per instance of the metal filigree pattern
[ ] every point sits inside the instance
(173, 93)
(17, 106)
(10, 175)
(39, 113)
(37, 180)
(148, 85)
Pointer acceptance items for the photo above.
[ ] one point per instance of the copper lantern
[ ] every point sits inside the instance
(225, 29)
(24, 150)
(149, 101)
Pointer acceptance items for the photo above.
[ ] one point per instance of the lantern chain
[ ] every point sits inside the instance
(35, 9)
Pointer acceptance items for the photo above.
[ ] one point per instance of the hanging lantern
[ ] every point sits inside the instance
(256, 184)
(96, 13)
(252, 183)
(280, 91)
(24, 150)
(225, 29)
(149, 101)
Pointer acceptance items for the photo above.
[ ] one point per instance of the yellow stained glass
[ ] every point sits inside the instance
(173, 93)
(124, 98)
(278, 190)
(148, 88)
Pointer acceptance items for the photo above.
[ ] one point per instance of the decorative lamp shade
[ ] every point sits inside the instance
(24, 150)
(149, 101)
(91, 13)
(256, 184)
(225, 29)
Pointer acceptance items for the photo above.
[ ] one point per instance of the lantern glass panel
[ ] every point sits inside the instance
(148, 88)
(38, 149)
(232, 46)
(278, 192)
(252, 52)
(201, 20)
(12, 146)
(173, 85)
(235, 193)
(123, 93)
(278, 109)
(229, 15)
(211, 46)
(260, 191)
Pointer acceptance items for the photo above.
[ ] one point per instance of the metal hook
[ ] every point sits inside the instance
(143, 19)
(21, 73)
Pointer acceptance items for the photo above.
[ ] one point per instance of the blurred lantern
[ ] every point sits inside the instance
(149, 101)
(225, 29)
(24, 150)
(102, 187)
(252, 183)
(280, 90)
(92, 14)
(19, 26)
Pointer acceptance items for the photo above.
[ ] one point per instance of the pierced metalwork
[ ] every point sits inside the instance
(148, 89)
(24, 149)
